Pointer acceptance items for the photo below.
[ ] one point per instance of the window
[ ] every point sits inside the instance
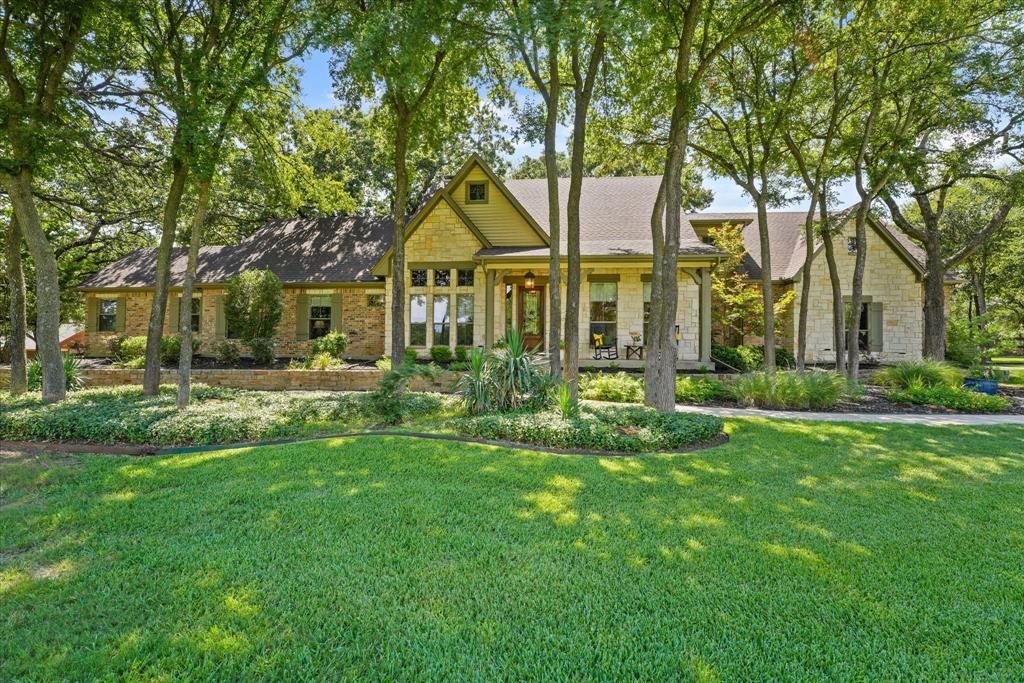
(418, 278)
(476, 192)
(442, 278)
(319, 316)
(869, 326)
(603, 311)
(196, 315)
(647, 311)
(465, 278)
(418, 320)
(464, 320)
(375, 301)
(107, 318)
(442, 319)
(851, 245)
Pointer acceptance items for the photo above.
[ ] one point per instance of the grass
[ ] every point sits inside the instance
(1016, 367)
(796, 551)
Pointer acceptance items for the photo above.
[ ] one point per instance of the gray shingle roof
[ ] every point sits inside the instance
(335, 249)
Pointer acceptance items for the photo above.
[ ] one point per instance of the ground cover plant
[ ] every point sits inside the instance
(797, 551)
(632, 429)
(954, 398)
(125, 415)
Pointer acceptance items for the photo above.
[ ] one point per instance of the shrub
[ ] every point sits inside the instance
(954, 398)
(73, 379)
(927, 373)
(748, 358)
(137, 363)
(618, 387)
(461, 353)
(262, 350)
(473, 388)
(516, 375)
(321, 361)
(699, 389)
(253, 304)
(789, 390)
(621, 428)
(226, 351)
(440, 354)
(383, 364)
(170, 348)
(567, 403)
(332, 343)
(458, 366)
(126, 348)
(411, 354)
(387, 400)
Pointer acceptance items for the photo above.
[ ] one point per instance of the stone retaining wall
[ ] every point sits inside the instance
(349, 379)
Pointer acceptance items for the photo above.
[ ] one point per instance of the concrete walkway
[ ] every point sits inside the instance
(874, 418)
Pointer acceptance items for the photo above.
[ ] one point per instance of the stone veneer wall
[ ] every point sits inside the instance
(887, 279)
(363, 325)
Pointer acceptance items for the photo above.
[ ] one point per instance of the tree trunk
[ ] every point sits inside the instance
(19, 188)
(16, 285)
(185, 310)
(554, 229)
(805, 285)
(169, 226)
(857, 294)
(398, 241)
(767, 292)
(838, 310)
(934, 346)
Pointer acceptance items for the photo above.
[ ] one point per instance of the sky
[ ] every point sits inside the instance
(317, 91)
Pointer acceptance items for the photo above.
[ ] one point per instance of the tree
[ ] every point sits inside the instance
(420, 59)
(38, 41)
(741, 132)
(696, 33)
(18, 328)
(253, 304)
(536, 29)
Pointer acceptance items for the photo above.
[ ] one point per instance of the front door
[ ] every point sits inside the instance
(531, 316)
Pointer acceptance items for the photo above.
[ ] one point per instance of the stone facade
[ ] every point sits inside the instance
(887, 280)
(363, 324)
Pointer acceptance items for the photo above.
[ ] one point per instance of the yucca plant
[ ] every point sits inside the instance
(473, 386)
(72, 374)
(515, 373)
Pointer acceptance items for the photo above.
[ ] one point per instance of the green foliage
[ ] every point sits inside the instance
(699, 389)
(253, 304)
(458, 365)
(262, 349)
(216, 415)
(631, 429)
(474, 387)
(516, 374)
(411, 355)
(317, 361)
(925, 372)
(946, 396)
(170, 348)
(789, 390)
(388, 400)
(126, 348)
(567, 403)
(383, 364)
(619, 387)
(440, 353)
(332, 343)
(461, 353)
(747, 358)
(968, 342)
(73, 379)
(226, 351)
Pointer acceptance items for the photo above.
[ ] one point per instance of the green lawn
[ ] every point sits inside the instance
(797, 551)
(1014, 365)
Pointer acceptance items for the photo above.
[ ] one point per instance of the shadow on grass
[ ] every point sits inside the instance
(796, 550)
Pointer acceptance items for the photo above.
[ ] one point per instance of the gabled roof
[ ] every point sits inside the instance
(315, 250)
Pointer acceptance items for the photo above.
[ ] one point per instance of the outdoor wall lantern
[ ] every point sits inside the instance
(530, 280)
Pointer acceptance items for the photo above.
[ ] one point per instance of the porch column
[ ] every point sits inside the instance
(705, 315)
(489, 310)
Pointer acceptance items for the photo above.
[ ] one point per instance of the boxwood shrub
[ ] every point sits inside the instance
(631, 429)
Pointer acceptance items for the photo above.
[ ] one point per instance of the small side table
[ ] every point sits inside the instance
(634, 351)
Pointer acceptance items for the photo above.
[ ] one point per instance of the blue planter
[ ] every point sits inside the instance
(984, 386)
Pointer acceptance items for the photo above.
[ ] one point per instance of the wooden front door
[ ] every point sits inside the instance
(531, 316)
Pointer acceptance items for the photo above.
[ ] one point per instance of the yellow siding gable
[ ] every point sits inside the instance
(441, 237)
(498, 219)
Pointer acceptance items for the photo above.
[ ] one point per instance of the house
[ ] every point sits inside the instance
(477, 264)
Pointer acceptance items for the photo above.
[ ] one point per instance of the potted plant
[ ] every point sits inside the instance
(982, 379)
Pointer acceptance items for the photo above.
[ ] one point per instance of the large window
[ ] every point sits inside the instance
(418, 320)
(319, 316)
(442, 278)
(442, 320)
(869, 326)
(106, 320)
(647, 311)
(196, 314)
(464, 320)
(604, 311)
